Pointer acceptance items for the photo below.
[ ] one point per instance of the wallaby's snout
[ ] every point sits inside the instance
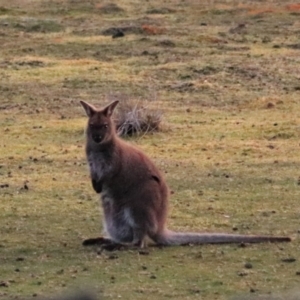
(97, 130)
(97, 138)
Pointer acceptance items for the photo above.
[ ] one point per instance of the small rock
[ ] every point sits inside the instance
(4, 284)
(248, 265)
(118, 34)
(289, 260)
(20, 259)
(270, 105)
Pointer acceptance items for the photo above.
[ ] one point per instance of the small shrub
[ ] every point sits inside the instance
(136, 116)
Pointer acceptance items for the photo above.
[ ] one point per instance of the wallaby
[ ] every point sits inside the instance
(134, 192)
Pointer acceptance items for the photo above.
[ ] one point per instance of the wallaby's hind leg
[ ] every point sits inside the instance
(104, 243)
(99, 241)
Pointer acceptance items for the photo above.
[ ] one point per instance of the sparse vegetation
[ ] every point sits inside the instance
(27, 24)
(134, 117)
(227, 76)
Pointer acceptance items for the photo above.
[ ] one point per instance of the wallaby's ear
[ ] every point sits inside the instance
(89, 109)
(109, 109)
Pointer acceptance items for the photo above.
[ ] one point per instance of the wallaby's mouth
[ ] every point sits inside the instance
(97, 138)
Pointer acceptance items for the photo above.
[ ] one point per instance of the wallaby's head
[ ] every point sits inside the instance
(100, 128)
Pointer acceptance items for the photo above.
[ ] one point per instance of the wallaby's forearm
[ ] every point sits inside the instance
(97, 185)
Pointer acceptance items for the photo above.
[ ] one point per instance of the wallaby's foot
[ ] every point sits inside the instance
(140, 246)
(113, 247)
(99, 241)
(109, 245)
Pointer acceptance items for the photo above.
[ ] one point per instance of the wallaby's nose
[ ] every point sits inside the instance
(97, 138)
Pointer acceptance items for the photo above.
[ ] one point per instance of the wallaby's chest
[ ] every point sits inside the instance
(100, 166)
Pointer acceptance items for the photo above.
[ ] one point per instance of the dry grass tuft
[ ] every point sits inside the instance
(136, 116)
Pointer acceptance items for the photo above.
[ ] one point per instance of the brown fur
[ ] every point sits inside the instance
(134, 193)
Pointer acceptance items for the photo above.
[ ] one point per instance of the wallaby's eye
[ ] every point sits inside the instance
(95, 126)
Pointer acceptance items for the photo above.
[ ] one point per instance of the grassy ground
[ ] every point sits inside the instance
(225, 73)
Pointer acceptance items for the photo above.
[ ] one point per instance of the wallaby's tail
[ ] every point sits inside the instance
(169, 238)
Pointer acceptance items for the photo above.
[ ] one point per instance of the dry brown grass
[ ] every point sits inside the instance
(135, 117)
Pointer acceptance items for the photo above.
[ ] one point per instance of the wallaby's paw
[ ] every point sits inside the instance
(97, 186)
(96, 241)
